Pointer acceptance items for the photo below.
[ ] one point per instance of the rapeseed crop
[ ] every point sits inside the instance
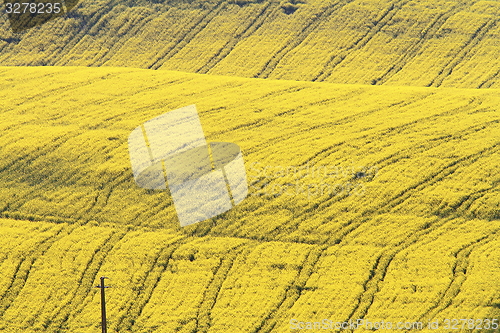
(365, 202)
(379, 42)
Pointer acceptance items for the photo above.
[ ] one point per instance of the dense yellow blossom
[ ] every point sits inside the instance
(373, 202)
(381, 42)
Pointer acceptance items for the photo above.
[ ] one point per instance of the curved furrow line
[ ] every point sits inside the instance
(476, 37)
(309, 27)
(392, 158)
(119, 42)
(37, 218)
(460, 209)
(20, 163)
(395, 157)
(203, 320)
(435, 177)
(251, 125)
(377, 275)
(91, 207)
(345, 120)
(39, 95)
(20, 263)
(126, 323)
(31, 156)
(489, 81)
(129, 321)
(361, 42)
(40, 311)
(397, 199)
(247, 31)
(257, 99)
(101, 200)
(279, 93)
(406, 193)
(458, 277)
(85, 283)
(25, 265)
(345, 97)
(211, 293)
(328, 125)
(53, 92)
(144, 217)
(369, 288)
(188, 36)
(87, 23)
(412, 51)
(51, 59)
(293, 291)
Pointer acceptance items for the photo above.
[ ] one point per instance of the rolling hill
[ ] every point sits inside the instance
(366, 202)
(432, 43)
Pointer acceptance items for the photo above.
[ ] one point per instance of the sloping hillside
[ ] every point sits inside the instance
(381, 42)
(376, 203)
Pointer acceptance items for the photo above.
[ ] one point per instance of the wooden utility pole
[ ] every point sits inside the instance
(103, 305)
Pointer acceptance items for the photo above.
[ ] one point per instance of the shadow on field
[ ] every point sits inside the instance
(24, 15)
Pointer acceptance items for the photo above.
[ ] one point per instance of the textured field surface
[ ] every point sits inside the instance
(380, 42)
(365, 202)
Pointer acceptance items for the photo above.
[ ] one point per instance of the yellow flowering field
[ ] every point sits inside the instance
(376, 42)
(377, 203)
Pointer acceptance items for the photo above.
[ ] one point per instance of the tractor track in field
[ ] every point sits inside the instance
(361, 42)
(31, 156)
(293, 291)
(51, 59)
(403, 195)
(87, 24)
(435, 177)
(390, 160)
(27, 159)
(25, 265)
(55, 91)
(283, 137)
(84, 285)
(377, 274)
(341, 121)
(346, 120)
(461, 208)
(307, 29)
(430, 31)
(458, 277)
(101, 200)
(489, 81)
(326, 102)
(135, 307)
(203, 319)
(264, 13)
(118, 42)
(406, 193)
(318, 156)
(151, 213)
(188, 36)
(211, 293)
(475, 39)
